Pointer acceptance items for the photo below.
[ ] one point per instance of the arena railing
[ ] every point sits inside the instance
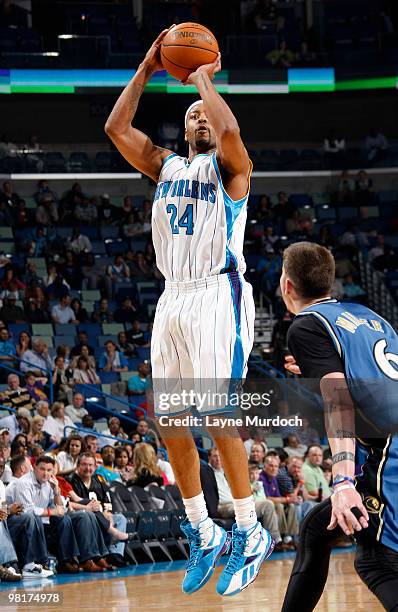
(115, 398)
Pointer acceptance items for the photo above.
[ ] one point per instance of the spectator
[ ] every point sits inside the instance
(58, 289)
(284, 508)
(67, 457)
(80, 313)
(124, 345)
(76, 411)
(265, 509)
(62, 313)
(86, 211)
(43, 190)
(79, 243)
(135, 335)
(378, 249)
(118, 272)
(114, 429)
(126, 312)
(35, 312)
(35, 387)
(284, 209)
(56, 423)
(346, 188)
(10, 312)
(63, 351)
(308, 435)
(63, 381)
(364, 188)
(139, 383)
(146, 434)
(8, 195)
(47, 212)
(92, 445)
(85, 353)
(102, 314)
(9, 571)
(37, 435)
(376, 145)
(257, 454)
(42, 408)
(333, 145)
(112, 360)
(293, 447)
(82, 342)
(314, 479)
(38, 359)
(94, 271)
(351, 289)
(282, 57)
(291, 484)
(83, 374)
(24, 344)
(146, 469)
(106, 470)
(257, 436)
(107, 214)
(122, 464)
(16, 396)
(7, 349)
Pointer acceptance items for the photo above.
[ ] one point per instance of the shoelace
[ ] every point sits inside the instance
(238, 547)
(194, 547)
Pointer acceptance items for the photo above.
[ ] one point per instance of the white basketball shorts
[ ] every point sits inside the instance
(202, 335)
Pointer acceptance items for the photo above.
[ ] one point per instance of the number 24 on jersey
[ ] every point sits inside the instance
(185, 221)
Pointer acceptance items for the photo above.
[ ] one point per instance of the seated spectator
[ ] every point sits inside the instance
(37, 435)
(283, 413)
(80, 313)
(24, 344)
(56, 423)
(83, 374)
(7, 349)
(378, 249)
(35, 387)
(282, 57)
(314, 479)
(118, 272)
(351, 289)
(38, 359)
(102, 314)
(67, 457)
(136, 336)
(43, 409)
(112, 360)
(62, 378)
(58, 289)
(47, 212)
(139, 383)
(122, 464)
(88, 422)
(11, 313)
(346, 188)
(291, 484)
(5, 454)
(63, 351)
(82, 341)
(92, 445)
(11, 281)
(12, 292)
(376, 145)
(126, 312)
(86, 211)
(85, 353)
(364, 188)
(139, 266)
(285, 510)
(16, 396)
(107, 213)
(284, 209)
(106, 470)
(257, 454)
(293, 447)
(35, 312)
(257, 436)
(124, 346)
(93, 270)
(265, 509)
(76, 411)
(79, 243)
(145, 433)
(308, 435)
(146, 469)
(62, 313)
(114, 429)
(43, 189)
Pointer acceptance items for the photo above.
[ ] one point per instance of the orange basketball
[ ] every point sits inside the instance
(186, 47)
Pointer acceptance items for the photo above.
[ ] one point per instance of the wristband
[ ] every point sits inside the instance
(346, 486)
(338, 481)
(48, 512)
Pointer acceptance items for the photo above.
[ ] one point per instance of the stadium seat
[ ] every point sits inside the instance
(91, 329)
(79, 162)
(112, 329)
(54, 162)
(6, 233)
(109, 377)
(42, 329)
(65, 329)
(102, 339)
(91, 295)
(64, 340)
(17, 328)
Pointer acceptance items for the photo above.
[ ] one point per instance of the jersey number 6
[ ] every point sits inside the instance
(385, 361)
(186, 220)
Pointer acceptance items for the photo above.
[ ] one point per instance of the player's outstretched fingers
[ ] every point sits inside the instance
(361, 514)
(353, 523)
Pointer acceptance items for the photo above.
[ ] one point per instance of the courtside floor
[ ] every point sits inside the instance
(157, 587)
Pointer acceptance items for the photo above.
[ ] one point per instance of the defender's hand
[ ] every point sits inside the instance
(152, 61)
(209, 69)
(291, 365)
(342, 504)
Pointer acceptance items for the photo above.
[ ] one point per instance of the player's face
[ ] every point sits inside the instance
(199, 133)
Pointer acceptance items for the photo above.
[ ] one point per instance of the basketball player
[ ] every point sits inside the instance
(204, 320)
(353, 352)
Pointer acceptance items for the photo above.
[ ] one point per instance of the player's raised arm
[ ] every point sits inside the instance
(133, 144)
(231, 151)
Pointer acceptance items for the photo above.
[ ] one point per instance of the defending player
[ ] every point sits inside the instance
(353, 352)
(204, 320)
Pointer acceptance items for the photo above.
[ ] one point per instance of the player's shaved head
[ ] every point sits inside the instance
(199, 133)
(310, 268)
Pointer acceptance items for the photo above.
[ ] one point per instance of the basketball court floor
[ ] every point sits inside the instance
(157, 587)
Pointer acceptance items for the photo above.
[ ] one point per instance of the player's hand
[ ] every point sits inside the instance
(209, 69)
(152, 61)
(291, 365)
(15, 509)
(342, 515)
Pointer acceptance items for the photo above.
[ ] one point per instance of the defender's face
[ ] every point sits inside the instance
(199, 133)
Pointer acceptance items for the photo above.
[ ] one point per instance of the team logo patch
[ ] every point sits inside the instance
(372, 505)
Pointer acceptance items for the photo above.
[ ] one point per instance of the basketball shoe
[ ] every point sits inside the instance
(249, 550)
(206, 545)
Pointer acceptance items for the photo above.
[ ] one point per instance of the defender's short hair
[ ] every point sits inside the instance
(311, 269)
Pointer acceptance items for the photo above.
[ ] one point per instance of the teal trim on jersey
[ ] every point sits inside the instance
(232, 210)
(238, 357)
(168, 158)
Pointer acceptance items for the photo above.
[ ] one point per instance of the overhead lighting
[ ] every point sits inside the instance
(66, 36)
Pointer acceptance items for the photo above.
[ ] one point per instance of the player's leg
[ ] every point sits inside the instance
(377, 566)
(311, 566)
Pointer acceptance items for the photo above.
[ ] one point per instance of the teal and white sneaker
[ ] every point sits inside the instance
(249, 550)
(206, 544)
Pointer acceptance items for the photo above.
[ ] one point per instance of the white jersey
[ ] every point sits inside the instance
(197, 229)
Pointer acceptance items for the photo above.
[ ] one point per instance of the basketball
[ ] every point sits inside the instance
(186, 47)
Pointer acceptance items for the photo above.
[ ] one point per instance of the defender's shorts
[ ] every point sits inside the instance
(202, 335)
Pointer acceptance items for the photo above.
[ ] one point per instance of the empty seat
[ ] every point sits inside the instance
(79, 162)
(91, 329)
(42, 329)
(64, 340)
(54, 162)
(109, 377)
(65, 329)
(91, 295)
